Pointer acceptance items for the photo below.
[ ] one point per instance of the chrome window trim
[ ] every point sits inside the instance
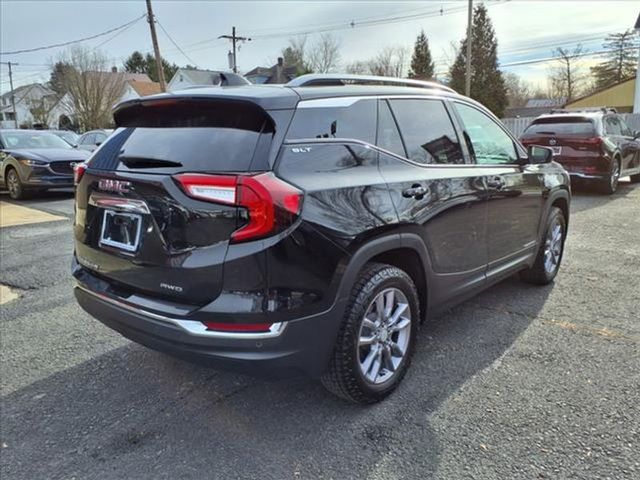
(192, 327)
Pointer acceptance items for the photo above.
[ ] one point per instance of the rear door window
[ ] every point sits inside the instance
(349, 118)
(388, 134)
(427, 131)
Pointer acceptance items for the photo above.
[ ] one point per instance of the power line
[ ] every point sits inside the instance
(548, 59)
(64, 44)
(175, 44)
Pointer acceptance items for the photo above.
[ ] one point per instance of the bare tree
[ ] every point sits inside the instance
(42, 109)
(568, 78)
(358, 68)
(390, 62)
(93, 88)
(518, 90)
(324, 54)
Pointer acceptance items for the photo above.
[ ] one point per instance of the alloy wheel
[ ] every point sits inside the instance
(615, 176)
(384, 336)
(13, 183)
(553, 246)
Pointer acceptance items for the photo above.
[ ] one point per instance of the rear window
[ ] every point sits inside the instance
(335, 118)
(564, 126)
(186, 137)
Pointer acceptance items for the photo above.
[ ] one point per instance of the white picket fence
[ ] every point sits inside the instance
(517, 125)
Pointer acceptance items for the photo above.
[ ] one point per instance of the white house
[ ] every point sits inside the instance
(35, 104)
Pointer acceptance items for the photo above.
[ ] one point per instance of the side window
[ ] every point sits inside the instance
(87, 139)
(612, 126)
(489, 143)
(625, 128)
(427, 131)
(388, 135)
(335, 118)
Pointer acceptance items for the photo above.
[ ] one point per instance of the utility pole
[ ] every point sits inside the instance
(13, 98)
(234, 40)
(156, 49)
(467, 84)
(636, 96)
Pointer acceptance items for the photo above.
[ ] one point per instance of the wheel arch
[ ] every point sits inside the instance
(406, 251)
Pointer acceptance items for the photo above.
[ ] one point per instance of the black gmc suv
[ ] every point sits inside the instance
(308, 228)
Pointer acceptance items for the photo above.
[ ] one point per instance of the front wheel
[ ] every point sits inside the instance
(376, 338)
(14, 185)
(547, 263)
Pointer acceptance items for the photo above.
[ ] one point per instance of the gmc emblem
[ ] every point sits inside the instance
(110, 185)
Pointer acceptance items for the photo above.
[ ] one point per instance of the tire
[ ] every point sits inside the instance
(609, 185)
(371, 357)
(14, 185)
(635, 178)
(547, 263)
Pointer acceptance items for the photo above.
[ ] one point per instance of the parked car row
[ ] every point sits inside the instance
(37, 160)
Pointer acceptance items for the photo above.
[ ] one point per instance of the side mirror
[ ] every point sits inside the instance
(539, 154)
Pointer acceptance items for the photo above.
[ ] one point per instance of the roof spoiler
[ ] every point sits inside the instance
(340, 79)
(226, 79)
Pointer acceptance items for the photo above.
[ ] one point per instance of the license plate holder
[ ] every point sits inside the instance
(121, 230)
(556, 151)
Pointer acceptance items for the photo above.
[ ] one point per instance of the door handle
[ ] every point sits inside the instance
(496, 183)
(416, 191)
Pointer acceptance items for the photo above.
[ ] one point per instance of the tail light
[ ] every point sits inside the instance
(78, 172)
(271, 204)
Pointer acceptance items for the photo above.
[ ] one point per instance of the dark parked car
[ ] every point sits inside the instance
(594, 146)
(308, 229)
(36, 160)
(93, 139)
(67, 135)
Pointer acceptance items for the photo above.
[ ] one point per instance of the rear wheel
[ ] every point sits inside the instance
(547, 263)
(375, 342)
(610, 184)
(14, 185)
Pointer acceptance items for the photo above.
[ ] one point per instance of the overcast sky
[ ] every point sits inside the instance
(526, 29)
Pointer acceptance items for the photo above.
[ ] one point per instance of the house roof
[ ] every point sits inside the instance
(145, 88)
(545, 102)
(288, 73)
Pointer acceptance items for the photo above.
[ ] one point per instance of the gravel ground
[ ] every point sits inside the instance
(520, 382)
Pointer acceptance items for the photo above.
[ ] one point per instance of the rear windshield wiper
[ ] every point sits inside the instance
(142, 162)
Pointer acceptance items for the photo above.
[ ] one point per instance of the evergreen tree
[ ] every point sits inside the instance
(621, 59)
(56, 82)
(421, 62)
(137, 63)
(487, 83)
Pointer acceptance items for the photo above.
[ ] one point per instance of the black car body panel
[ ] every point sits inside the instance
(456, 226)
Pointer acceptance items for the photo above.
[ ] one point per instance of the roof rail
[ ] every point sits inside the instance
(585, 110)
(337, 79)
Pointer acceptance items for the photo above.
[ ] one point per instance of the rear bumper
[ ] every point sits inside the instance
(586, 176)
(298, 347)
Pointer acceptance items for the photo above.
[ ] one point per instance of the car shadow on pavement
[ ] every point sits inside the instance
(585, 198)
(135, 413)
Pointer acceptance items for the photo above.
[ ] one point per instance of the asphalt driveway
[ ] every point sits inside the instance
(521, 382)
